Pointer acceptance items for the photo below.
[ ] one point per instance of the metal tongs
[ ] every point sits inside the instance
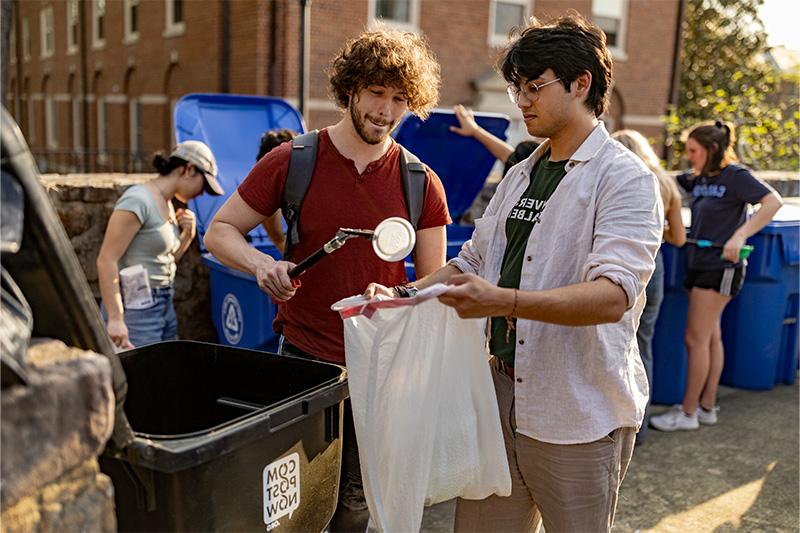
(392, 240)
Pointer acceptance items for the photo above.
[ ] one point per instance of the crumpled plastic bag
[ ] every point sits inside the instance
(424, 406)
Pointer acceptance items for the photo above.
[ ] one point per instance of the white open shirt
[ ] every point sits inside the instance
(577, 384)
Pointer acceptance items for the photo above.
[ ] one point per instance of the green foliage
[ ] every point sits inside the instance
(724, 77)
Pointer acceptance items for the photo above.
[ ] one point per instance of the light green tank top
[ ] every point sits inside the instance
(156, 242)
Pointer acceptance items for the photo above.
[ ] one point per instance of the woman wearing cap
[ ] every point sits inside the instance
(144, 239)
(721, 192)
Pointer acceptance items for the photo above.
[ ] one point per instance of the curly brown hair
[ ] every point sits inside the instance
(389, 58)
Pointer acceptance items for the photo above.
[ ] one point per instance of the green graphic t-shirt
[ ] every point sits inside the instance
(545, 177)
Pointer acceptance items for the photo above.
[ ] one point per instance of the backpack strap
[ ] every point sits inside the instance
(298, 178)
(412, 171)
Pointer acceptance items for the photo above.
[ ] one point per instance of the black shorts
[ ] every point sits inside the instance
(727, 281)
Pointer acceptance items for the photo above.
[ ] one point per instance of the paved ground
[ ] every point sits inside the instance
(740, 475)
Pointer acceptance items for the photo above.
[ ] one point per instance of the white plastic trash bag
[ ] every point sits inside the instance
(424, 406)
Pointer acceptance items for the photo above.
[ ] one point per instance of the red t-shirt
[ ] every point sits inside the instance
(338, 197)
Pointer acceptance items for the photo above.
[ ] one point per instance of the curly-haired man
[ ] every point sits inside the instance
(558, 264)
(356, 183)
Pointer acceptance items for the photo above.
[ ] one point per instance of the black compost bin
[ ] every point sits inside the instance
(228, 439)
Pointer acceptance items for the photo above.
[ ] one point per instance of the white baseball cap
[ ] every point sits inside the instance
(199, 154)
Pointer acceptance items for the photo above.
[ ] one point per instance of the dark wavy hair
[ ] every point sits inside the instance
(272, 139)
(718, 139)
(165, 163)
(569, 45)
(389, 58)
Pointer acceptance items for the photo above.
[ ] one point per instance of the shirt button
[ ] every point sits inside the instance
(519, 380)
(529, 258)
(521, 341)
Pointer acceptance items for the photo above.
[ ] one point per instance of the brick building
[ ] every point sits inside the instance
(93, 82)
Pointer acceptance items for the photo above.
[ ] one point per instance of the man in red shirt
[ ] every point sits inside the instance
(356, 183)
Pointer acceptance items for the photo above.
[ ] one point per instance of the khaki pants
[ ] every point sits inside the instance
(568, 487)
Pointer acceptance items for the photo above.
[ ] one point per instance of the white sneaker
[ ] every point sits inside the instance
(708, 418)
(675, 420)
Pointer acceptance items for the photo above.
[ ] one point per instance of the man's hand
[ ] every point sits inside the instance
(732, 248)
(273, 278)
(186, 222)
(474, 297)
(375, 289)
(466, 122)
(118, 332)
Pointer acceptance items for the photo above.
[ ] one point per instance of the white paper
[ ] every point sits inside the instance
(135, 284)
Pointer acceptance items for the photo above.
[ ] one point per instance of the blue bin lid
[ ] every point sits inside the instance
(786, 224)
(462, 163)
(231, 125)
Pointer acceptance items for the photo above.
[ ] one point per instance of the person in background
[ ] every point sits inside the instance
(721, 192)
(674, 233)
(144, 229)
(269, 140)
(509, 156)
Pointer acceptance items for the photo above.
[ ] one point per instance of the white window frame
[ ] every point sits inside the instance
(26, 40)
(413, 26)
(72, 20)
(173, 29)
(47, 33)
(97, 42)
(51, 121)
(101, 128)
(498, 39)
(130, 35)
(77, 130)
(618, 51)
(12, 46)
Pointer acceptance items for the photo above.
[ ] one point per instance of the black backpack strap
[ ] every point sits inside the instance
(412, 171)
(298, 178)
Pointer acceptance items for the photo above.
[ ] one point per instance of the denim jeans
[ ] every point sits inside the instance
(154, 324)
(647, 326)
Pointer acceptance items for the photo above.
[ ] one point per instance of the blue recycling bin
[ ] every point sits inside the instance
(462, 163)
(232, 125)
(670, 360)
(760, 325)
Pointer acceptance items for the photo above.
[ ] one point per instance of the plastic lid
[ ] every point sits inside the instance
(462, 163)
(231, 125)
(394, 239)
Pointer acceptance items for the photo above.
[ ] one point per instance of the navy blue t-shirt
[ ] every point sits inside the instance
(719, 207)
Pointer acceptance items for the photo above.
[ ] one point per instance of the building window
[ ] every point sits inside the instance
(72, 26)
(77, 130)
(51, 121)
(504, 16)
(403, 14)
(612, 17)
(98, 23)
(31, 120)
(101, 128)
(131, 21)
(46, 31)
(12, 46)
(135, 114)
(26, 40)
(174, 24)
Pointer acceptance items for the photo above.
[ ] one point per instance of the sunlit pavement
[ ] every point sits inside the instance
(740, 475)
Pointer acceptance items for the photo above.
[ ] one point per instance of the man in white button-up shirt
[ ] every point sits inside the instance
(559, 263)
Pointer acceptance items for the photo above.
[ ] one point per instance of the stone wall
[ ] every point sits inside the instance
(53, 429)
(84, 203)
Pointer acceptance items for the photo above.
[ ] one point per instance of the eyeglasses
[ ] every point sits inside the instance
(530, 89)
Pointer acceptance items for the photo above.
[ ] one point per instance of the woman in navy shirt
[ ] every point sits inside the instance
(721, 192)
